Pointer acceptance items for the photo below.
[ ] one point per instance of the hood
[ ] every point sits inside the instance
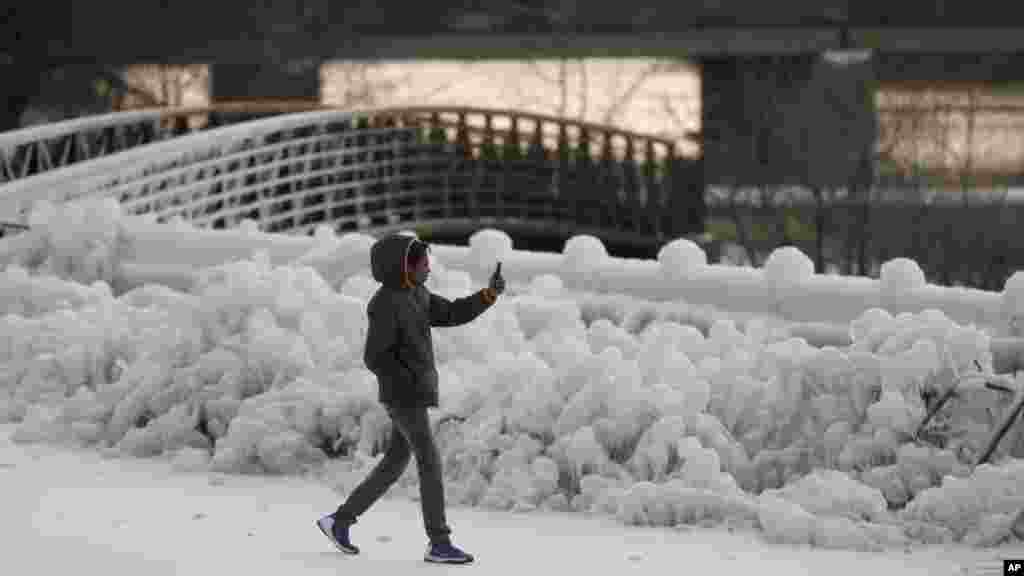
(387, 260)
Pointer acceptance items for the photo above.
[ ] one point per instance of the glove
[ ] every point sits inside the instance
(497, 283)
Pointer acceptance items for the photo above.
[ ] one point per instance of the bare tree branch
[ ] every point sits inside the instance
(563, 88)
(584, 91)
(627, 96)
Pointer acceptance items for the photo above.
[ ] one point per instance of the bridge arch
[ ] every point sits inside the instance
(451, 170)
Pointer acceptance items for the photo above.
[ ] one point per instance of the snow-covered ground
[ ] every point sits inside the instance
(67, 511)
(553, 401)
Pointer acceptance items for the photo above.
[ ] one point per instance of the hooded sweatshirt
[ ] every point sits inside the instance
(399, 349)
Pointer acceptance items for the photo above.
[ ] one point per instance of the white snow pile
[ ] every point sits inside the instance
(78, 240)
(653, 422)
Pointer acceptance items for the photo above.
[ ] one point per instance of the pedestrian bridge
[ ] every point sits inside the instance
(444, 172)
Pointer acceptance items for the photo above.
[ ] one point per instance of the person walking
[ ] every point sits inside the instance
(399, 352)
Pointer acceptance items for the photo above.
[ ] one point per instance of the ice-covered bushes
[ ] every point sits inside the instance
(604, 334)
(674, 502)
(541, 315)
(533, 406)
(967, 506)
(547, 286)
(173, 430)
(787, 522)
(960, 347)
(522, 479)
(338, 259)
(834, 493)
(30, 295)
(289, 312)
(77, 240)
(551, 400)
(282, 431)
(917, 468)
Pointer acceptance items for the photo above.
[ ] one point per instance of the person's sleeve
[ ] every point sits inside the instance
(446, 313)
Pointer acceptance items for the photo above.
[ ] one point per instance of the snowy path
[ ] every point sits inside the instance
(65, 512)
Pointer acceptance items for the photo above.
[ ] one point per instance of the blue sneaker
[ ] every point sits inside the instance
(337, 534)
(447, 554)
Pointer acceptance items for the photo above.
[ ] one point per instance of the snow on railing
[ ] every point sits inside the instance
(41, 148)
(47, 147)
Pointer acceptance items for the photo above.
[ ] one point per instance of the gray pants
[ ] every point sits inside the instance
(410, 434)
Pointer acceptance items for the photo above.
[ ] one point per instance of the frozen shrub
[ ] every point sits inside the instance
(547, 286)
(636, 503)
(843, 533)
(359, 286)
(784, 521)
(603, 334)
(834, 493)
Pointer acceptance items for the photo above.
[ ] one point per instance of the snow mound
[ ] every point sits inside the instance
(901, 275)
(1012, 304)
(487, 247)
(78, 240)
(681, 258)
(673, 502)
(583, 254)
(336, 259)
(787, 265)
(834, 493)
(979, 508)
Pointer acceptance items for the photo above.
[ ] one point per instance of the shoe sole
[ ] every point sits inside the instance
(338, 545)
(438, 560)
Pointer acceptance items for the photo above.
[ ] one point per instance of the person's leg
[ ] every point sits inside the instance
(415, 425)
(383, 476)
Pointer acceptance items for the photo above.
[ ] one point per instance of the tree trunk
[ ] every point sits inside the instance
(819, 230)
(863, 238)
(742, 233)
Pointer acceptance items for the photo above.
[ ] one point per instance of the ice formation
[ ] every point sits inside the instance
(259, 369)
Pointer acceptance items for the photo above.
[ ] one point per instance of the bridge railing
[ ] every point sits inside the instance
(36, 149)
(388, 167)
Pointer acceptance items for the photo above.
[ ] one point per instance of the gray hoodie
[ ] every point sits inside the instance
(399, 349)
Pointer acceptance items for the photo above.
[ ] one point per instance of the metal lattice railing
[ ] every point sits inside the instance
(395, 168)
(37, 149)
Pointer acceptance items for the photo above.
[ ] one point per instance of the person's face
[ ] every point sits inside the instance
(420, 270)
